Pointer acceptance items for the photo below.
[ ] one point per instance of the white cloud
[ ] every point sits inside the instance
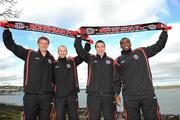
(10, 71)
(12, 83)
(165, 65)
(74, 13)
(171, 52)
(92, 12)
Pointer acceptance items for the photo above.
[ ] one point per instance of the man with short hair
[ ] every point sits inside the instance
(66, 84)
(99, 86)
(137, 88)
(38, 77)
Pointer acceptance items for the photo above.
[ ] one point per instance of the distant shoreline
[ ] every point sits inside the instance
(13, 89)
(167, 87)
(85, 88)
(168, 99)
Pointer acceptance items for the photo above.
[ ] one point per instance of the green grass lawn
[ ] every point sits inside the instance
(10, 112)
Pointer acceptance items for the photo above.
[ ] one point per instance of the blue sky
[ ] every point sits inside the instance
(72, 14)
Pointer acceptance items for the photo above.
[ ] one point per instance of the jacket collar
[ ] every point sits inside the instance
(62, 59)
(123, 52)
(47, 53)
(102, 56)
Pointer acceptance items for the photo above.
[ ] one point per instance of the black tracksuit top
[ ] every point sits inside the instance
(134, 68)
(38, 70)
(66, 78)
(100, 71)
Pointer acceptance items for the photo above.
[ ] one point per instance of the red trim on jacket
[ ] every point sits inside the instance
(27, 67)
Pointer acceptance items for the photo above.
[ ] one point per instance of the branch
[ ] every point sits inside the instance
(9, 11)
(12, 2)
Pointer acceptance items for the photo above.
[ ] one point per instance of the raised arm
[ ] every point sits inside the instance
(158, 46)
(78, 60)
(82, 53)
(18, 50)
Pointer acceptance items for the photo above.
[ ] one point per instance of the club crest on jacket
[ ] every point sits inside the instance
(49, 61)
(68, 66)
(136, 57)
(108, 62)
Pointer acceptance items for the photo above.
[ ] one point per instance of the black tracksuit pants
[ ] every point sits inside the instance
(67, 104)
(147, 104)
(97, 104)
(37, 105)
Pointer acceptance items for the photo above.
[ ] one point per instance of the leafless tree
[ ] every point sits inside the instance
(9, 9)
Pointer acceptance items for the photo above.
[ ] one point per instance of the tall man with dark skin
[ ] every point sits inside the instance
(137, 87)
(38, 77)
(99, 88)
(66, 84)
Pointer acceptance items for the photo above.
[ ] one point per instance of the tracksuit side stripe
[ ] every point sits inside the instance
(115, 115)
(51, 113)
(27, 67)
(126, 114)
(158, 113)
(75, 71)
(147, 63)
(89, 75)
